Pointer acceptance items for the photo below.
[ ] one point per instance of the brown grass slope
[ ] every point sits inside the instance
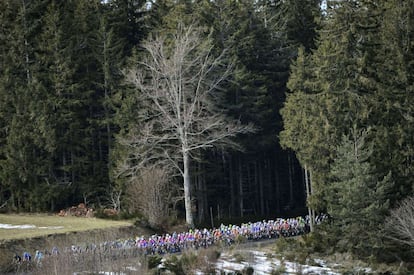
(57, 231)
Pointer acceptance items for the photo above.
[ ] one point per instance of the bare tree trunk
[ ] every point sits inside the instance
(266, 178)
(201, 194)
(277, 188)
(204, 195)
(290, 180)
(187, 190)
(72, 159)
(106, 94)
(261, 193)
(231, 182)
(172, 81)
(256, 187)
(248, 187)
(308, 192)
(241, 206)
(65, 174)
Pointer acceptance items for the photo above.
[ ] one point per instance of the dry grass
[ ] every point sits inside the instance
(51, 224)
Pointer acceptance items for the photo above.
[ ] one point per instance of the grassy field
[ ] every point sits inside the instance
(35, 225)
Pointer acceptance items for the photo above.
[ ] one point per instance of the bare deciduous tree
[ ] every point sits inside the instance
(178, 81)
(115, 200)
(400, 223)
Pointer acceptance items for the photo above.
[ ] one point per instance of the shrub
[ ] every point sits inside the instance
(154, 261)
(151, 194)
(174, 264)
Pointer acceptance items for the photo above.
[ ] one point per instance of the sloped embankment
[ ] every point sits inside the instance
(9, 248)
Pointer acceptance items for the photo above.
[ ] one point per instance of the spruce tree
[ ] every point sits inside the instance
(26, 142)
(358, 198)
(393, 102)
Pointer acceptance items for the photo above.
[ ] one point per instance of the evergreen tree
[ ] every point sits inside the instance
(358, 197)
(26, 141)
(295, 21)
(305, 125)
(339, 81)
(128, 22)
(261, 54)
(85, 151)
(57, 72)
(346, 84)
(393, 102)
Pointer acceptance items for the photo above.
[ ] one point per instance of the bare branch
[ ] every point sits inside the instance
(152, 195)
(400, 223)
(176, 81)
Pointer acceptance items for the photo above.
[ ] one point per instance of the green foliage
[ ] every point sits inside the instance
(356, 78)
(175, 264)
(63, 102)
(293, 249)
(316, 242)
(358, 197)
(188, 262)
(56, 89)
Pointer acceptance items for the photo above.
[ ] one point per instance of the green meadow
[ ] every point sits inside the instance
(22, 226)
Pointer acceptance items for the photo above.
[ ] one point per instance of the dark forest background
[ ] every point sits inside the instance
(329, 87)
(64, 98)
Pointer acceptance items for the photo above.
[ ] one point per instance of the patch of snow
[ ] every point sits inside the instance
(101, 272)
(22, 226)
(26, 226)
(50, 227)
(262, 265)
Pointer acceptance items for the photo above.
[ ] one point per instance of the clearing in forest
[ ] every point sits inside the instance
(21, 226)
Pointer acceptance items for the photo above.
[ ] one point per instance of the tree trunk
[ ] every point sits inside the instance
(312, 218)
(201, 194)
(232, 192)
(308, 192)
(277, 187)
(241, 206)
(261, 193)
(291, 203)
(72, 160)
(187, 190)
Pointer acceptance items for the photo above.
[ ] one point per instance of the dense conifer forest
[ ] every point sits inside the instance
(283, 105)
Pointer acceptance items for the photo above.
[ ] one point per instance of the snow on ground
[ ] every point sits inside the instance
(27, 226)
(264, 264)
